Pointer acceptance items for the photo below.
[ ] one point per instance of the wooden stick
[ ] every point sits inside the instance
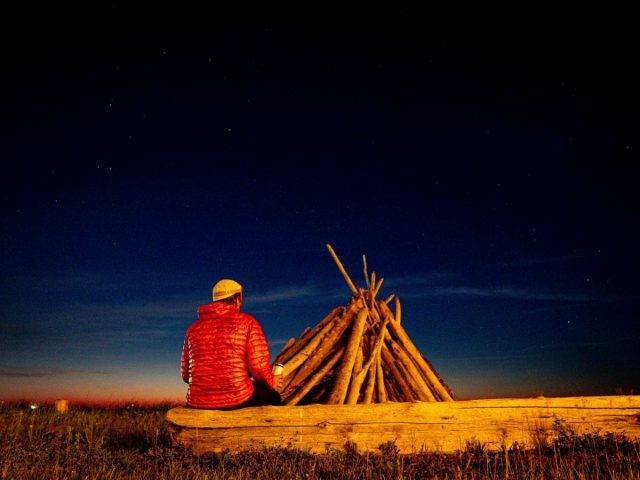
(357, 375)
(364, 271)
(341, 384)
(344, 273)
(326, 346)
(373, 280)
(305, 331)
(378, 287)
(357, 366)
(393, 392)
(315, 378)
(372, 374)
(389, 298)
(390, 362)
(304, 354)
(415, 378)
(398, 311)
(286, 347)
(439, 377)
(380, 386)
(357, 378)
(413, 351)
(369, 389)
(284, 356)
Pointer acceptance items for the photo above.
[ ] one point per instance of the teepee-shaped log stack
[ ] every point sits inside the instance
(358, 353)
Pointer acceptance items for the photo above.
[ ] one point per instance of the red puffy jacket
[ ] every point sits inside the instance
(222, 349)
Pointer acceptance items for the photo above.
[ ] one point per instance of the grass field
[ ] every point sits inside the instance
(133, 443)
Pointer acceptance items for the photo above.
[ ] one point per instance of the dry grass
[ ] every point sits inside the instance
(133, 443)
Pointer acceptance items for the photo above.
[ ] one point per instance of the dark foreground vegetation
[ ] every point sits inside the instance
(133, 443)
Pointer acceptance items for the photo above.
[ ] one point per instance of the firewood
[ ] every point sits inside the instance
(373, 362)
(397, 376)
(364, 271)
(357, 376)
(381, 390)
(439, 377)
(369, 389)
(377, 288)
(360, 374)
(359, 354)
(398, 311)
(285, 356)
(357, 366)
(411, 349)
(325, 347)
(303, 354)
(416, 382)
(290, 343)
(393, 392)
(341, 384)
(344, 273)
(315, 378)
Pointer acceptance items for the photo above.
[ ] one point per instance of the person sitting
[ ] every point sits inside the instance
(225, 356)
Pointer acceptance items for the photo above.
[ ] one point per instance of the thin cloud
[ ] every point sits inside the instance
(294, 292)
(525, 294)
(278, 341)
(528, 262)
(418, 280)
(284, 293)
(508, 292)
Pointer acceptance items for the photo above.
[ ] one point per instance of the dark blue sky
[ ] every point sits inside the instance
(492, 182)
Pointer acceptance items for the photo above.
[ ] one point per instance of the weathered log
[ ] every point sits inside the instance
(341, 384)
(437, 426)
(315, 378)
(345, 275)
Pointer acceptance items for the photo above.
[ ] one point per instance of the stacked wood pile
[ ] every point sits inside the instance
(359, 353)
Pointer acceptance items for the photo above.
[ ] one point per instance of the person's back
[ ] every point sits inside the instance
(222, 349)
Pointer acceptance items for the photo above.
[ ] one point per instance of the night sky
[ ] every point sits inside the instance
(492, 182)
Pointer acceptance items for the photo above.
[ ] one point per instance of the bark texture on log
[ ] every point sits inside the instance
(435, 426)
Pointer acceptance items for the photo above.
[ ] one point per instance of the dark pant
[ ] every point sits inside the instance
(262, 395)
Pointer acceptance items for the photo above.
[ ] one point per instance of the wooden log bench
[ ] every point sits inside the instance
(417, 426)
